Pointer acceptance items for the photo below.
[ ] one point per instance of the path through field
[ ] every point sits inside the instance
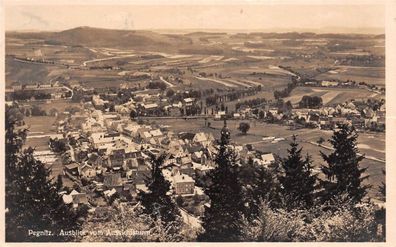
(224, 83)
(166, 82)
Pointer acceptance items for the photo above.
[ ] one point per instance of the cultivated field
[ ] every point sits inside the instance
(331, 96)
(370, 75)
(41, 124)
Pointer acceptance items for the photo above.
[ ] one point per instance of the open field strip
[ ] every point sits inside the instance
(253, 82)
(166, 82)
(365, 146)
(215, 80)
(210, 59)
(332, 149)
(327, 96)
(243, 84)
(106, 58)
(280, 70)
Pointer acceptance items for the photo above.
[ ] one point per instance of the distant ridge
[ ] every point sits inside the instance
(338, 30)
(149, 40)
(100, 37)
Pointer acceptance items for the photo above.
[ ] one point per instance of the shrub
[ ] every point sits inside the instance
(244, 127)
(342, 222)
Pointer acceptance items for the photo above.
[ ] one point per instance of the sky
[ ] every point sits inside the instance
(266, 17)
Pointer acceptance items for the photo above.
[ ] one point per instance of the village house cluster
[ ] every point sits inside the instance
(106, 155)
(356, 113)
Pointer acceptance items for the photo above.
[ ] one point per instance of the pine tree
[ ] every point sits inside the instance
(32, 199)
(59, 183)
(382, 188)
(297, 181)
(267, 187)
(157, 203)
(222, 220)
(343, 174)
(259, 184)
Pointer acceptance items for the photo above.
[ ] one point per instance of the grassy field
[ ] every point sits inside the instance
(331, 96)
(39, 144)
(41, 124)
(28, 73)
(59, 105)
(370, 75)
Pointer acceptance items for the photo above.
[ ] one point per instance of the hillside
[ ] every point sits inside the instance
(98, 37)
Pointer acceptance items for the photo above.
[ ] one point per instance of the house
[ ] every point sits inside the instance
(79, 198)
(220, 115)
(130, 130)
(192, 148)
(325, 124)
(81, 154)
(197, 157)
(156, 133)
(189, 101)
(205, 139)
(183, 184)
(351, 106)
(310, 83)
(186, 136)
(313, 118)
(174, 111)
(72, 169)
(327, 111)
(101, 138)
(133, 154)
(141, 187)
(358, 123)
(337, 120)
(329, 83)
(236, 116)
(98, 186)
(133, 163)
(116, 159)
(202, 169)
(150, 109)
(183, 165)
(139, 179)
(109, 193)
(177, 105)
(368, 113)
(112, 180)
(75, 198)
(143, 134)
(98, 102)
(123, 110)
(175, 148)
(267, 159)
(87, 171)
(96, 160)
(129, 191)
(273, 111)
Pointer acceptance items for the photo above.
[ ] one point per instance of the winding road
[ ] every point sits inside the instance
(166, 82)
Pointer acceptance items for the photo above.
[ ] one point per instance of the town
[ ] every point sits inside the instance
(105, 144)
(104, 116)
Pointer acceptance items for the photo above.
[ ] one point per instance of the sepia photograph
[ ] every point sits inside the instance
(253, 121)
